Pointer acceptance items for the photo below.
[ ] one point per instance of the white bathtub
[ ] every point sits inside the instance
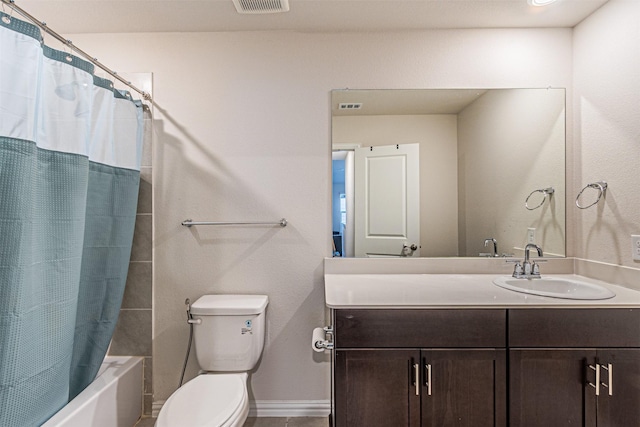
(113, 399)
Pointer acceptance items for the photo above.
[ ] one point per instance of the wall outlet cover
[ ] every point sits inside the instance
(635, 247)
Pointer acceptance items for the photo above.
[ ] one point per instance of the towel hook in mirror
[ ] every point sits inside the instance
(601, 186)
(545, 191)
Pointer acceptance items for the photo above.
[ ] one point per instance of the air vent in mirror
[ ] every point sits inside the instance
(261, 6)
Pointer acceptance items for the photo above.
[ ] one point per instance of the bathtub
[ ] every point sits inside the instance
(113, 399)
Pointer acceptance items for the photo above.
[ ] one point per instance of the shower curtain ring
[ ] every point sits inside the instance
(68, 55)
(8, 16)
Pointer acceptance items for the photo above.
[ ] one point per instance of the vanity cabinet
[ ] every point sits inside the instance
(577, 367)
(574, 367)
(420, 368)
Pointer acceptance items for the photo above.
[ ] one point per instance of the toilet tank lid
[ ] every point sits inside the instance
(229, 304)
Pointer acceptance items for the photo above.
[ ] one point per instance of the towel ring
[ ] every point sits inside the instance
(546, 191)
(601, 186)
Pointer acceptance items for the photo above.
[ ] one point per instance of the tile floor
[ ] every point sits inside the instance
(146, 422)
(264, 422)
(287, 422)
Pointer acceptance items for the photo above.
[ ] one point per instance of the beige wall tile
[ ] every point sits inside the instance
(132, 336)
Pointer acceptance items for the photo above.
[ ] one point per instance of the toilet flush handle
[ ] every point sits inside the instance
(194, 321)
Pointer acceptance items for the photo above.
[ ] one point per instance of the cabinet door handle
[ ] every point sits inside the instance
(416, 375)
(597, 384)
(427, 381)
(609, 386)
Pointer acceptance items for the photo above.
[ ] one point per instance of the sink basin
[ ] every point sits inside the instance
(555, 287)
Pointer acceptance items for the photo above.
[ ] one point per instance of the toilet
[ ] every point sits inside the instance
(228, 332)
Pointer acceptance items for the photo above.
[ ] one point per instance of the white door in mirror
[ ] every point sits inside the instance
(387, 201)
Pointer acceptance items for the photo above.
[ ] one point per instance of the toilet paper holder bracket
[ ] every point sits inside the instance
(327, 343)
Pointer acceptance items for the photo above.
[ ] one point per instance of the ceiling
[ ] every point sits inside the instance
(116, 16)
(403, 101)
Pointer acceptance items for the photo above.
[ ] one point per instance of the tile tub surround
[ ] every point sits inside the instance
(132, 336)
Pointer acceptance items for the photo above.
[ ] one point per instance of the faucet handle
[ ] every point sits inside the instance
(535, 269)
(527, 268)
(517, 269)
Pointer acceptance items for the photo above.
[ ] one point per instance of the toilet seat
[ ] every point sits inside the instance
(208, 400)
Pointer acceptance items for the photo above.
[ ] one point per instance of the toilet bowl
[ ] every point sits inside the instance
(208, 400)
(228, 333)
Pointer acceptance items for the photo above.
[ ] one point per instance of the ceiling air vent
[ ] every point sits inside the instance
(261, 6)
(350, 106)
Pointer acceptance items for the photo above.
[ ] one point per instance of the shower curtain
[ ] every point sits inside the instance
(70, 149)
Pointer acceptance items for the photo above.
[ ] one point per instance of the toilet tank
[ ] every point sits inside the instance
(230, 335)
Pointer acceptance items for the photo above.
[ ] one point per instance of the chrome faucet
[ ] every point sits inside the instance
(495, 245)
(528, 270)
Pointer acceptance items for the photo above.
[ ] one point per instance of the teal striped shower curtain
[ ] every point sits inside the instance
(70, 149)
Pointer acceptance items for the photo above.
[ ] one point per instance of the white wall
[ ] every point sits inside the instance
(511, 143)
(437, 136)
(607, 130)
(243, 132)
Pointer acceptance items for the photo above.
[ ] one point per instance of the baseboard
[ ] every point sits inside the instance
(290, 408)
(276, 408)
(155, 408)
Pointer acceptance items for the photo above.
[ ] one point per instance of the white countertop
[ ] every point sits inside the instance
(395, 291)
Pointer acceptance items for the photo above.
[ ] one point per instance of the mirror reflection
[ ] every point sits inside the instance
(448, 172)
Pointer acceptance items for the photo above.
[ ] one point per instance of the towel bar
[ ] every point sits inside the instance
(189, 223)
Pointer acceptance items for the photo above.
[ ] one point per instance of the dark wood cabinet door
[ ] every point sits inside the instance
(375, 388)
(467, 389)
(621, 408)
(374, 328)
(549, 388)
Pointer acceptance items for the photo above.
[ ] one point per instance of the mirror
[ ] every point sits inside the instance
(490, 170)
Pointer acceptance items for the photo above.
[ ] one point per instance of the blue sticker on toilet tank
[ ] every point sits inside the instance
(247, 327)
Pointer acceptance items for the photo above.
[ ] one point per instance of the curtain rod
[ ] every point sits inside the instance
(69, 43)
